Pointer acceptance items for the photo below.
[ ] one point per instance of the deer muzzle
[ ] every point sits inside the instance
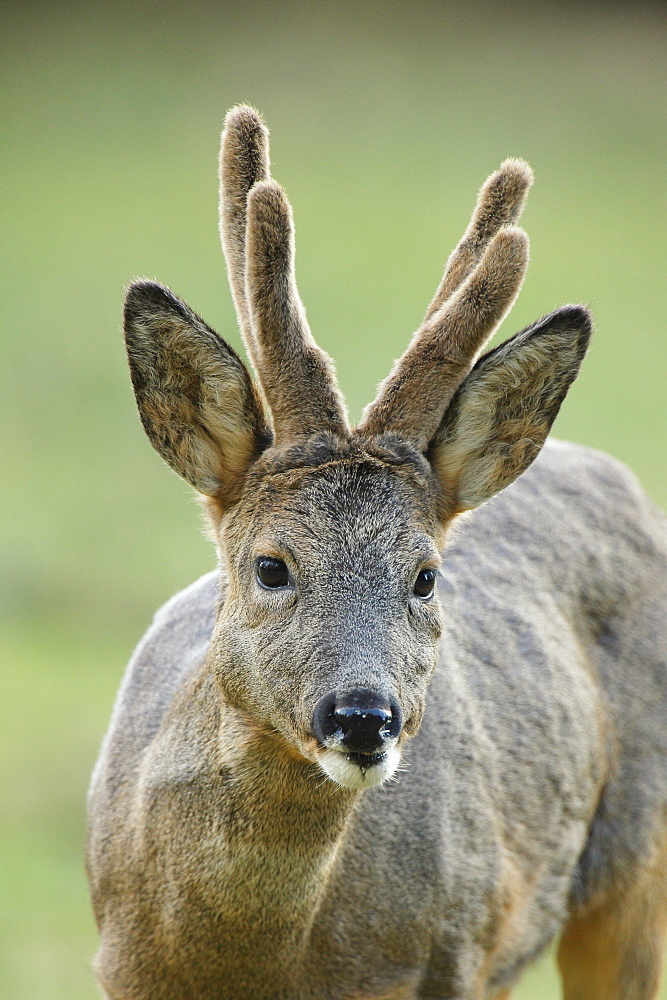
(358, 730)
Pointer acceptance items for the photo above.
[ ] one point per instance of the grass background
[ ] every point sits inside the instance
(386, 117)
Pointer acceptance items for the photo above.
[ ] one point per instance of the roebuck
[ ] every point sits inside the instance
(245, 841)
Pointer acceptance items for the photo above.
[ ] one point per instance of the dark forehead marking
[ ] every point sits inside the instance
(322, 476)
(334, 474)
(328, 449)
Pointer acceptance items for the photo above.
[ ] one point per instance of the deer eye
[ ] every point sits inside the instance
(272, 573)
(424, 584)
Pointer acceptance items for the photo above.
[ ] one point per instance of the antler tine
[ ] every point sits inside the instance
(500, 202)
(413, 399)
(296, 375)
(481, 280)
(244, 160)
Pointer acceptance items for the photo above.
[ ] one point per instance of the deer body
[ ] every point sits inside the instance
(246, 838)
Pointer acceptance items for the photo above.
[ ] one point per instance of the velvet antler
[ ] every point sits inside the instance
(481, 281)
(244, 161)
(257, 231)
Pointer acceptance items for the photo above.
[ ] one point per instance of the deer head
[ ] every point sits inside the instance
(329, 536)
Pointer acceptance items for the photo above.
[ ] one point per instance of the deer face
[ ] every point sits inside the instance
(330, 536)
(329, 630)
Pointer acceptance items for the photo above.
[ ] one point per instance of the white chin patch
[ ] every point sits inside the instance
(347, 773)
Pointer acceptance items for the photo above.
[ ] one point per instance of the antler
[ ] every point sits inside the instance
(297, 377)
(500, 202)
(481, 281)
(244, 160)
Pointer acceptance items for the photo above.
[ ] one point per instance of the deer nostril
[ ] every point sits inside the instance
(361, 723)
(359, 720)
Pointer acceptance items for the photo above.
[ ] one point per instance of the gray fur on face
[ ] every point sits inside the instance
(324, 780)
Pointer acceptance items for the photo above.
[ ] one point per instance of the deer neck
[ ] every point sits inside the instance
(284, 827)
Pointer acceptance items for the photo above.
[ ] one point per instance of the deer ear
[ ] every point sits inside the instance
(196, 399)
(502, 412)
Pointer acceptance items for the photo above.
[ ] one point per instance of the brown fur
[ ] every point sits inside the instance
(239, 849)
(413, 399)
(502, 413)
(244, 161)
(499, 203)
(197, 403)
(615, 951)
(297, 376)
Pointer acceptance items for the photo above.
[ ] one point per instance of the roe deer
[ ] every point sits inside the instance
(245, 841)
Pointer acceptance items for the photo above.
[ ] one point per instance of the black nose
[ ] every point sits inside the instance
(359, 720)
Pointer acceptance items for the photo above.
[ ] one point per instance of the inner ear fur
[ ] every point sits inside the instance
(502, 412)
(196, 400)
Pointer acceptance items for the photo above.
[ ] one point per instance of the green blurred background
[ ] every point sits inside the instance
(386, 117)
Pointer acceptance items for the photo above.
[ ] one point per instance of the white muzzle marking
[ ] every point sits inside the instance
(350, 774)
